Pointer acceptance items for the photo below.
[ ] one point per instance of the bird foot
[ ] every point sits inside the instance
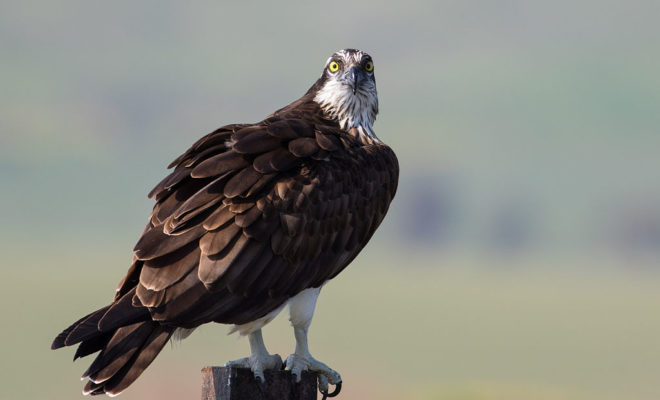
(297, 363)
(258, 363)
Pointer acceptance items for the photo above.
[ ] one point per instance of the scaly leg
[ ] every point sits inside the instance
(302, 310)
(260, 360)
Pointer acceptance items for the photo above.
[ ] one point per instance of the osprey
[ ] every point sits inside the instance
(253, 217)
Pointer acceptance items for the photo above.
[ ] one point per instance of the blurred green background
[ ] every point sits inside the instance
(520, 259)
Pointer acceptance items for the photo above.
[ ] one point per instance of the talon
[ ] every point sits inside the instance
(334, 392)
(294, 385)
(297, 377)
(260, 385)
(240, 363)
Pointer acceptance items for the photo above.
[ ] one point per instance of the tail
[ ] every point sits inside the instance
(128, 341)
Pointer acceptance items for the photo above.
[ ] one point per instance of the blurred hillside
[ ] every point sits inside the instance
(517, 126)
(528, 138)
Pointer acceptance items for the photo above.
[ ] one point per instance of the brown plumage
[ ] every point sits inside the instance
(251, 215)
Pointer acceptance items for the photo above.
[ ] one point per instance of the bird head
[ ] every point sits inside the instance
(346, 90)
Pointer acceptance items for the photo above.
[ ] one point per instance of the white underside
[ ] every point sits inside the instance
(301, 311)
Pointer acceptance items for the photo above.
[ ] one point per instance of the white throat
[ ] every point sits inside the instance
(356, 113)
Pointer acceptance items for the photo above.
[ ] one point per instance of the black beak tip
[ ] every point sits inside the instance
(355, 78)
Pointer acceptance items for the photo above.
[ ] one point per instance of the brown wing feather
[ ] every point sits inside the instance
(210, 254)
(157, 276)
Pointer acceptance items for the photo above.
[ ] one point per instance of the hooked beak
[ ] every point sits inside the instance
(355, 76)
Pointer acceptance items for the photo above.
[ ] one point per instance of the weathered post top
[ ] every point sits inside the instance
(229, 383)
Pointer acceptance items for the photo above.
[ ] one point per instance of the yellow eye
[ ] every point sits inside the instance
(369, 66)
(333, 66)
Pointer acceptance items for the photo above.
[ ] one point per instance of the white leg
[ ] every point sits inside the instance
(301, 308)
(260, 360)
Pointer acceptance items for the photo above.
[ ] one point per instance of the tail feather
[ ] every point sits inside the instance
(61, 339)
(86, 329)
(128, 341)
(122, 312)
(123, 370)
(116, 352)
(92, 345)
(107, 319)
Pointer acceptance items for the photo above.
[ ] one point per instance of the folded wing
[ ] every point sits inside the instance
(252, 215)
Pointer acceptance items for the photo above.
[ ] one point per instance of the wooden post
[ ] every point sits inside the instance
(225, 383)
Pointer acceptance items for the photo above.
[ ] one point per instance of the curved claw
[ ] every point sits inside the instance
(261, 386)
(294, 385)
(334, 392)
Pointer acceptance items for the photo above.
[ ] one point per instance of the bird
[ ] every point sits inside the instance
(253, 218)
